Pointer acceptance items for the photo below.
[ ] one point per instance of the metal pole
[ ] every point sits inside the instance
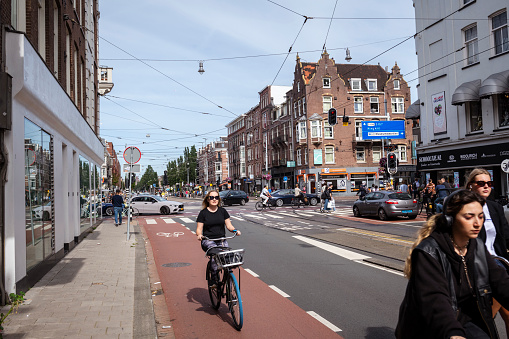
(129, 199)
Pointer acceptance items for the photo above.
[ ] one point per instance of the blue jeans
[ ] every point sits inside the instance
(118, 214)
(326, 204)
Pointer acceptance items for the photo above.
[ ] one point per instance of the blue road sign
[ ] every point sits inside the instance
(394, 129)
(285, 179)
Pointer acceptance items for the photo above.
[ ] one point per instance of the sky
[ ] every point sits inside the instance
(161, 104)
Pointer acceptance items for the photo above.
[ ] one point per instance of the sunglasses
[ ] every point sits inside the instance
(481, 183)
(213, 197)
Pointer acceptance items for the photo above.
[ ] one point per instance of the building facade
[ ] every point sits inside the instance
(212, 161)
(53, 150)
(463, 89)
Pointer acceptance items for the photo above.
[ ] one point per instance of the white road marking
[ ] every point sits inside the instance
(151, 221)
(187, 220)
(169, 221)
(381, 268)
(251, 272)
(234, 217)
(193, 232)
(279, 291)
(254, 216)
(324, 321)
(333, 249)
(273, 216)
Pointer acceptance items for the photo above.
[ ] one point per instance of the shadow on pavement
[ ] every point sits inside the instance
(201, 296)
(379, 333)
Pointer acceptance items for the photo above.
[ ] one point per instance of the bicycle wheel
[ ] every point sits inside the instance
(135, 212)
(295, 203)
(271, 204)
(214, 291)
(234, 301)
(259, 206)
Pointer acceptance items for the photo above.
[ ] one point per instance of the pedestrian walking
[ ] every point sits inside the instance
(403, 187)
(332, 202)
(415, 188)
(118, 203)
(452, 277)
(495, 232)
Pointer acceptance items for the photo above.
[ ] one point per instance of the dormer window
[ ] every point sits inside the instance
(355, 84)
(326, 82)
(396, 84)
(371, 84)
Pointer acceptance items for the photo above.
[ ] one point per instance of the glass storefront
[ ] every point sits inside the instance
(84, 194)
(38, 200)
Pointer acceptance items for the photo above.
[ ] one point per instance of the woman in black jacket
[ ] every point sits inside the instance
(495, 232)
(452, 276)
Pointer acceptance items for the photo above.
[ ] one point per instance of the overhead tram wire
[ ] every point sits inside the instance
(330, 23)
(161, 105)
(194, 135)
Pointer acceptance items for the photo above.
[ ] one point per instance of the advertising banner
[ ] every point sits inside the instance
(317, 156)
(438, 113)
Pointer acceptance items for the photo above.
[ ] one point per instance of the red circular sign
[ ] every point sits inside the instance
(132, 155)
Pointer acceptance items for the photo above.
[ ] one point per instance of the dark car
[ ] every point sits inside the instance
(230, 197)
(386, 204)
(285, 196)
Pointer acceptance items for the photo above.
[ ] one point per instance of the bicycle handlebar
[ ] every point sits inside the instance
(224, 238)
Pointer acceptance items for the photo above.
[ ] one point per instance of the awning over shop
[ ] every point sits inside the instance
(495, 84)
(414, 111)
(466, 92)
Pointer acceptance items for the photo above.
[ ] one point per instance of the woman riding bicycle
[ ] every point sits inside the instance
(298, 193)
(212, 220)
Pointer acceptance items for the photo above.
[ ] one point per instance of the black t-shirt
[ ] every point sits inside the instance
(213, 223)
(117, 201)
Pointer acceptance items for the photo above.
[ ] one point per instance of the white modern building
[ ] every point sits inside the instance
(54, 153)
(463, 55)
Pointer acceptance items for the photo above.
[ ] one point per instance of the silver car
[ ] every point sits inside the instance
(386, 204)
(154, 204)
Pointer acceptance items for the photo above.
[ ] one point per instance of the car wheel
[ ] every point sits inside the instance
(313, 201)
(356, 212)
(382, 215)
(242, 202)
(279, 202)
(109, 211)
(165, 210)
(45, 216)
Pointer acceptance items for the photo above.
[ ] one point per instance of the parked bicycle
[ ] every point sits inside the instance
(297, 202)
(226, 285)
(271, 204)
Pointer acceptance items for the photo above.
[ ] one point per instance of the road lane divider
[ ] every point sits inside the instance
(380, 268)
(332, 249)
(237, 218)
(375, 235)
(279, 291)
(324, 321)
(251, 272)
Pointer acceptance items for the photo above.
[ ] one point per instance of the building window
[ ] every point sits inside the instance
(371, 84)
(357, 105)
(373, 105)
(305, 156)
(396, 84)
(299, 158)
(299, 105)
(302, 130)
(298, 86)
(355, 84)
(328, 131)
(329, 154)
(304, 105)
(218, 164)
(503, 109)
(358, 129)
(474, 116)
(499, 31)
(316, 129)
(326, 82)
(471, 48)
(360, 154)
(377, 154)
(327, 103)
(401, 153)
(398, 106)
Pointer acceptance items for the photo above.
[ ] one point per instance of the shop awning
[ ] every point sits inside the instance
(495, 84)
(414, 111)
(466, 92)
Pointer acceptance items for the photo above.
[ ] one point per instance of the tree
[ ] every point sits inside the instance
(148, 179)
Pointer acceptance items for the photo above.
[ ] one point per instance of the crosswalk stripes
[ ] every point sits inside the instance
(187, 220)
(168, 220)
(254, 216)
(273, 216)
(151, 221)
(237, 218)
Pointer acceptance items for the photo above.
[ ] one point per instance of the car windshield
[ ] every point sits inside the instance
(158, 198)
(400, 196)
(222, 193)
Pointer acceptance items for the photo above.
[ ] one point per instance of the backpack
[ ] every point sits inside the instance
(323, 196)
(414, 186)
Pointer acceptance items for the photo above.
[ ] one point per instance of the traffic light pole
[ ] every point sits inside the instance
(129, 199)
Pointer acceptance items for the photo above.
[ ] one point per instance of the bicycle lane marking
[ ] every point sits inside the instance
(266, 313)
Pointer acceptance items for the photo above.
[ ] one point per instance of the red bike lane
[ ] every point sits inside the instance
(266, 313)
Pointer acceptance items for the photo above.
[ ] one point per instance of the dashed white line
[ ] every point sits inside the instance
(279, 291)
(254, 216)
(234, 217)
(380, 268)
(151, 221)
(324, 321)
(187, 220)
(169, 221)
(251, 272)
(273, 216)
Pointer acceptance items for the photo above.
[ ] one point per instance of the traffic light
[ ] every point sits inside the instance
(332, 116)
(165, 178)
(133, 178)
(392, 163)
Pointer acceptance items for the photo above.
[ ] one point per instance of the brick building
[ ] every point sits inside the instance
(213, 164)
(49, 78)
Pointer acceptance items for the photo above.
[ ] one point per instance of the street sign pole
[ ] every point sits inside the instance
(129, 198)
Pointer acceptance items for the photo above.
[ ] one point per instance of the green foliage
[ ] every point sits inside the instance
(148, 179)
(15, 300)
(178, 169)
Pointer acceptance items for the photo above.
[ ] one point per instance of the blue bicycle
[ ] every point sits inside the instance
(225, 281)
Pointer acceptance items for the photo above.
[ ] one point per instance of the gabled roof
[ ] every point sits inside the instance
(349, 71)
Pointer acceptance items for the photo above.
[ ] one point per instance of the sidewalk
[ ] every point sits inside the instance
(95, 291)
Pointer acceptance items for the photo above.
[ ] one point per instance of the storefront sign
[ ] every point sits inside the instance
(438, 113)
(466, 157)
(290, 164)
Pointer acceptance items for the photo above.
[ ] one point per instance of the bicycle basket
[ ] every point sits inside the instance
(229, 258)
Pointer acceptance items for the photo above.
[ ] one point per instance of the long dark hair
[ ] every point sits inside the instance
(205, 202)
(455, 203)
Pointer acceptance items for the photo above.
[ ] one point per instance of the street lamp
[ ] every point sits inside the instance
(187, 173)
